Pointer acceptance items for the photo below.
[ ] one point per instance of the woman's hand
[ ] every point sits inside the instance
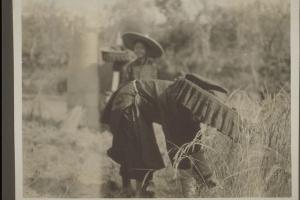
(108, 95)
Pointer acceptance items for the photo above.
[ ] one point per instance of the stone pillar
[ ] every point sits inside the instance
(83, 83)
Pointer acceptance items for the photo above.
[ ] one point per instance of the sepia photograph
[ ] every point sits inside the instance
(155, 99)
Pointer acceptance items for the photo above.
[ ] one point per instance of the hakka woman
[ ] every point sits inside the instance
(146, 50)
(142, 67)
(180, 107)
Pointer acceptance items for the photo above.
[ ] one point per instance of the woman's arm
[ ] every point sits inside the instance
(125, 74)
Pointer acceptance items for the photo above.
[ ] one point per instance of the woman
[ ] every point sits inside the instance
(180, 107)
(146, 50)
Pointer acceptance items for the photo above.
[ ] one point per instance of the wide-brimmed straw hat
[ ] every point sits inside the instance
(205, 84)
(154, 49)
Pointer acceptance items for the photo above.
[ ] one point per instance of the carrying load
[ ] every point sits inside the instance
(118, 58)
(179, 106)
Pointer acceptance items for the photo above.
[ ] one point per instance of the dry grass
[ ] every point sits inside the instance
(259, 164)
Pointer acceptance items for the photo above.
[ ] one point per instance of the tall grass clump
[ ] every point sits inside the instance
(258, 164)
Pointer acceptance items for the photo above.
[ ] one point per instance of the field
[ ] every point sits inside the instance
(243, 45)
(72, 162)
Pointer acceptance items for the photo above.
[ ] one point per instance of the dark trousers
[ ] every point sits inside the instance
(200, 166)
(144, 176)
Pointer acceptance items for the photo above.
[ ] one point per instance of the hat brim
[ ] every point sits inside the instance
(154, 49)
(205, 83)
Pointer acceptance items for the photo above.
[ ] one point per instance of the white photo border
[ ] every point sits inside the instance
(17, 44)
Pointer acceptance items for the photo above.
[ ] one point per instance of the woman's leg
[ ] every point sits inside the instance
(188, 183)
(201, 170)
(125, 176)
(198, 176)
(127, 189)
(143, 185)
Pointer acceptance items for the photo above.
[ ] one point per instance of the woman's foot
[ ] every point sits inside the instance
(208, 183)
(145, 194)
(145, 191)
(127, 192)
(150, 187)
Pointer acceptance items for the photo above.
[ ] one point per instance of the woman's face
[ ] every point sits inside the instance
(139, 50)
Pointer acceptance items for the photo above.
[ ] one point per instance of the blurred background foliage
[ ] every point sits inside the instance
(241, 44)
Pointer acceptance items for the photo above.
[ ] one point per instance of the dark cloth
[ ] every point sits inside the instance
(136, 151)
(138, 70)
(200, 166)
(130, 115)
(141, 175)
(175, 105)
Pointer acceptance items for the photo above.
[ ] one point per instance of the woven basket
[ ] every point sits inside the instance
(115, 56)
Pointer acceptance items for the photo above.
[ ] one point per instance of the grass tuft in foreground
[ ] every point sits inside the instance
(259, 164)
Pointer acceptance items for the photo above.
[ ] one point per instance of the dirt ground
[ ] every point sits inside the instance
(61, 163)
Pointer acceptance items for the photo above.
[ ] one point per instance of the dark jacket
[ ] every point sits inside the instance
(138, 70)
(178, 106)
